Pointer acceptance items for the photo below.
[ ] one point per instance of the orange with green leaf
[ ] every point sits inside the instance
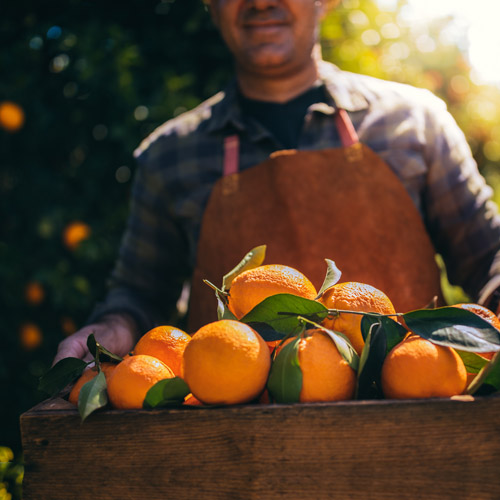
(313, 367)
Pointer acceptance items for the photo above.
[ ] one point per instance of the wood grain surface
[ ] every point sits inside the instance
(430, 449)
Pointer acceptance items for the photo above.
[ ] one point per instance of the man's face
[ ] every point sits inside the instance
(268, 36)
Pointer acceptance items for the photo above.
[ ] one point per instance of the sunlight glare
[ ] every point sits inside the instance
(476, 23)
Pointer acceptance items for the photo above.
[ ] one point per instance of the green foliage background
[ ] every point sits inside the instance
(93, 79)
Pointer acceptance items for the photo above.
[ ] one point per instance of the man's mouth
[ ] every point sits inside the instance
(266, 19)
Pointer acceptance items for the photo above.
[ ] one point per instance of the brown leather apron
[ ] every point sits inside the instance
(344, 204)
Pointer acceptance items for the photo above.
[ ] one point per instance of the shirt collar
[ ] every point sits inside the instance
(227, 113)
(341, 88)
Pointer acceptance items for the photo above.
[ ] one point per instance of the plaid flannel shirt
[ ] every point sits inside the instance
(409, 128)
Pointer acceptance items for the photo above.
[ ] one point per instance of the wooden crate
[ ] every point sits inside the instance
(431, 449)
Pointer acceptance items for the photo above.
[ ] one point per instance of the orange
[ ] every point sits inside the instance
(326, 375)
(68, 326)
(191, 400)
(254, 285)
(272, 344)
(31, 336)
(85, 377)
(34, 293)
(132, 379)
(226, 362)
(11, 116)
(354, 296)
(417, 368)
(74, 233)
(487, 315)
(166, 343)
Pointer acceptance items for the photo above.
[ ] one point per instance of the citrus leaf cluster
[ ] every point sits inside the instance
(93, 394)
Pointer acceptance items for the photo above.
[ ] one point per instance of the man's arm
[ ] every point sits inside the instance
(148, 276)
(463, 220)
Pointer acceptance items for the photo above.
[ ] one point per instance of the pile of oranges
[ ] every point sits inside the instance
(228, 362)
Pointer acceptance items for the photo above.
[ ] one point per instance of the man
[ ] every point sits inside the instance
(381, 180)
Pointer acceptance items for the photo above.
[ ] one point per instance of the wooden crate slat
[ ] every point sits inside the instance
(430, 449)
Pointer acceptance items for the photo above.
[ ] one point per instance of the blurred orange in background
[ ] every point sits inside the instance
(68, 326)
(30, 336)
(34, 293)
(11, 116)
(74, 233)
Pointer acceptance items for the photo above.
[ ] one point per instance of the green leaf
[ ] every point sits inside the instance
(367, 321)
(489, 374)
(61, 374)
(493, 372)
(92, 345)
(473, 363)
(105, 355)
(372, 359)
(167, 392)
(344, 347)
(285, 378)
(381, 334)
(223, 311)
(282, 312)
(332, 277)
(93, 395)
(369, 326)
(100, 352)
(269, 334)
(394, 332)
(252, 259)
(454, 327)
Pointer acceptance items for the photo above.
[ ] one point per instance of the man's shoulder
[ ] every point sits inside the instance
(187, 125)
(393, 94)
(378, 88)
(362, 90)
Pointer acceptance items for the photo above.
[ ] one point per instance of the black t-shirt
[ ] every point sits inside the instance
(283, 120)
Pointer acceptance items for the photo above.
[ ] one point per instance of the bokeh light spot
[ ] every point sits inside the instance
(359, 18)
(59, 63)
(459, 84)
(123, 174)
(100, 132)
(399, 50)
(30, 336)
(370, 37)
(70, 90)
(54, 32)
(141, 113)
(425, 43)
(11, 116)
(390, 31)
(491, 150)
(36, 43)
(74, 233)
(68, 326)
(34, 293)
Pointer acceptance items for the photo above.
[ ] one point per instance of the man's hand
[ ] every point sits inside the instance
(116, 332)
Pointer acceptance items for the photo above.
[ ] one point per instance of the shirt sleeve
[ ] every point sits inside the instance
(152, 264)
(462, 218)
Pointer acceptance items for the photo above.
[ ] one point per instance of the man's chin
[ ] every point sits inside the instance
(266, 62)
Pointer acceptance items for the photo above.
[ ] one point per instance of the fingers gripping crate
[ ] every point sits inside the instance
(432, 449)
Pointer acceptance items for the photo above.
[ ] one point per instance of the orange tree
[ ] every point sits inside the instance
(82, 83)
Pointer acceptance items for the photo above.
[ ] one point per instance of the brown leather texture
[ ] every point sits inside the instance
(343, 204)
